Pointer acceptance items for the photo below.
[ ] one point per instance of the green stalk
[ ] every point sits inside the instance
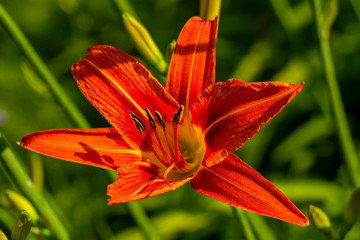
(209, 9)
(41, 68)
(285, 15)
(139, 216)
(141, 37)
(347, 144)
(142, 220)
(22, 181)
(244, 222)
(261, 228)
(123, 6)
(137, 213)
(356, 7)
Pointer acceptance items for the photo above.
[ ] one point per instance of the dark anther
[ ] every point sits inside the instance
(140, 126)
(150, 118)
(178, 115)
(174, 118)
(160, 119)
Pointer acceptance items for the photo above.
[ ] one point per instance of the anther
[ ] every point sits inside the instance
(150, 118)
(160, 119)
(178, 115)
(140, 126)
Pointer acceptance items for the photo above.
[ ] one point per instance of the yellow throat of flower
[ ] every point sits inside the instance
(177, 147)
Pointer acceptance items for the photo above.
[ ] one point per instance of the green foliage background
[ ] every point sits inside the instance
(259, 40)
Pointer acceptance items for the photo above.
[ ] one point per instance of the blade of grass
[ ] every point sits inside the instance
(22, 181)
(41, 68)
(347, 144)
(244, 222)
(141, 38)
(123, 6)
(142, 220)
(68, 105)
(285, 15)
(356, 7)
(262, 230)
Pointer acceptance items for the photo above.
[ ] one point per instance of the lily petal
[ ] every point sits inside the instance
(192, 65)
(99, 147)
(115, 83)
(234, 182)
(230, 113)
(137, 181)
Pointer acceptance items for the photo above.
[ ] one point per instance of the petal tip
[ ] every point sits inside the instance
(21, 143)
(303, 221)
(110, 202)
(307, 223)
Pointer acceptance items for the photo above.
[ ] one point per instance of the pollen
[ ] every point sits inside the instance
(140, 126)
(160, 119)
(150, 118)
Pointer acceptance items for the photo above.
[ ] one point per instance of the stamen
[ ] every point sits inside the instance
(166, 173)
(174, 118)
(159, 145)
(160, 119)
(150, 118)
(178, 115)
(140, 126)
(144, 186)
(169, 146)
(181, 161)
(157, 155)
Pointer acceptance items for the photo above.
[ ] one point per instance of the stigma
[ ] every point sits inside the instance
(177, 147)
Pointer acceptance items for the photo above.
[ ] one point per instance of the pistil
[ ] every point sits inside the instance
(162, 124)
(172, 165)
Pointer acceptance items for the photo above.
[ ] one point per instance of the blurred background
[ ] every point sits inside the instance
(258, 40)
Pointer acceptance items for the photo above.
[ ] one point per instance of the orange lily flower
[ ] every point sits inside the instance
(186, 132)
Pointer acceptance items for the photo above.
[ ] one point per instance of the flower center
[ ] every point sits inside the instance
(177, 147)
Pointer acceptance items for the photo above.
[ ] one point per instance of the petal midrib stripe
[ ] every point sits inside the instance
(239, 186)
(115, 84)
(230, 114)
(191, 70)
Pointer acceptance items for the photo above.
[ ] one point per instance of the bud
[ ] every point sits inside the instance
(209, 9)
(144, 42)
(22, 226)
(319, 218)
(169, 50)
(18, 203)
(2, 236)
(352, 213)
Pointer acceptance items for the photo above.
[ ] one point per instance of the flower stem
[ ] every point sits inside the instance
(141, 37)
(142, 220)
(356, 7)
(123, 6)
(242, 220)
(139, 216)
(22, 181)
(261, 229)
(209, 9)
(346, 141)
(285, 15)
(41, 68)
(66, 103)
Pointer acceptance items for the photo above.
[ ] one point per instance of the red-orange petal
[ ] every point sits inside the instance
(115, 83)
(99, 147)
(230, 113)
(137, 181)
(235, 183)
(192, 66)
